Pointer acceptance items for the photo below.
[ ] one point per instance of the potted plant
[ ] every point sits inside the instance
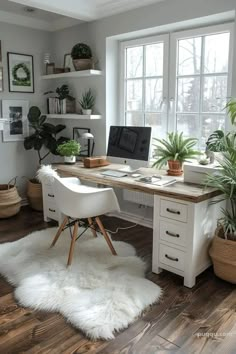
(69, 149)
(82, 57)
(215, 145)
(66, 101)
(87, 102)
(174, 151)
(223, 247)
(43, 140)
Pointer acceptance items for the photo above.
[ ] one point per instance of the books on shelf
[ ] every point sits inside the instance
(56, 106)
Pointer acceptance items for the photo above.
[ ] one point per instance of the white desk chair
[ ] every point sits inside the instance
(78, 201)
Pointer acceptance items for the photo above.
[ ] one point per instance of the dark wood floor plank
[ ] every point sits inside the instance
(170, 326)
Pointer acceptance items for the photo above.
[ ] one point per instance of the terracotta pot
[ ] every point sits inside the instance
(223, 255)
(83, 64)
(9, 201)
(35, 195)
(175, 168)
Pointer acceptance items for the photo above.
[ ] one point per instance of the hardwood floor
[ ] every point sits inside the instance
(197, 320)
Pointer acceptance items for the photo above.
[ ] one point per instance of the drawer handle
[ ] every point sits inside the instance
(172, 258)
(52, 210)
(173, 211)
(172, 234)
(51, 195)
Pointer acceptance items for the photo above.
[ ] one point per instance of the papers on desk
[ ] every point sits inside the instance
(157, 181)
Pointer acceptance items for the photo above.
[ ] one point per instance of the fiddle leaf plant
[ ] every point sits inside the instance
(44, 137)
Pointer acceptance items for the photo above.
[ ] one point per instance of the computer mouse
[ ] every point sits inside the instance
(135, 175)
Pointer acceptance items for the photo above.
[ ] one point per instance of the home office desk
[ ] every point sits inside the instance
(184, 220)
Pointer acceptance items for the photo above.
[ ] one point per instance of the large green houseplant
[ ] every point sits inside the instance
(174, 150)
(44, 141)
(223, 248)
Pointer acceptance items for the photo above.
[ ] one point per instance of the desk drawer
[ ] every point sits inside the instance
(48, 193)
(173, 210)
(52, 211)
(171, 257)
(173, 232)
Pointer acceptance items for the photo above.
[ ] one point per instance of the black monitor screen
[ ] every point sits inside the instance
(129, 142)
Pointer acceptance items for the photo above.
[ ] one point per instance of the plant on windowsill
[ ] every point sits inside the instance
(43, 140)
(82, 57)
(174, 150)
(87, 102)
(223, 248)
(69, 150)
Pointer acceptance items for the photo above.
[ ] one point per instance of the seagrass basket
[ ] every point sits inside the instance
(223, 255)
(9, 201)
(83, 64)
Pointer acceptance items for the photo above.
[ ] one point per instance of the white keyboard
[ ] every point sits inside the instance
(112, 173)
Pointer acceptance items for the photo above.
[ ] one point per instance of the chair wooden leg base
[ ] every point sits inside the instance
(107, 238)
(72, 244)
(59, 231)
(92, 227)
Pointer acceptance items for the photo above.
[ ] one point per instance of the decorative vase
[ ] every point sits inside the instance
(87, 112)
(223, 255)
(175, 168)
(83, 64)
(69, 160)
(9, 201)
(35, 195)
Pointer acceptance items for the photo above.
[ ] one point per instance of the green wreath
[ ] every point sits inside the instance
(26, 70)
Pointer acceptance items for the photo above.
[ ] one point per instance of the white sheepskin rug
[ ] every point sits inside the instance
(99, 293)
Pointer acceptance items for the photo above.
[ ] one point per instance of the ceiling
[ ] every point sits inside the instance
(52, 15)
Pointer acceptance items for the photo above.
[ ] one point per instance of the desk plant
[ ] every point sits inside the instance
(87, 102)
(174, 150)
(45, 142)
(223, 248)
(82, 57)
(69, 149)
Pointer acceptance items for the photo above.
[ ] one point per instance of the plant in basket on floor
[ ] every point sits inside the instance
(43, 140)
(174, 150)
(69, 149)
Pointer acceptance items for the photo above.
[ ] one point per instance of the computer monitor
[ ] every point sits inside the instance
(129, 146)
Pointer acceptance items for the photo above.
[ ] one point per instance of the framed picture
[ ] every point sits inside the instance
(68, 62)
(85, 143)
(20, 72)
(16, 128)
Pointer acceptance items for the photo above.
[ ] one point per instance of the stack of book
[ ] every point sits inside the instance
(56, 106)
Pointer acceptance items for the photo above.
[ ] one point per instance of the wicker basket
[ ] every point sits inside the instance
(34, 194)
(9, 201)
(83, 64)
(223, 255)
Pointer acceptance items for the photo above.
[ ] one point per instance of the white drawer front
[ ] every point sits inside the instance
(173, 233)
(174, 210)
(52, 211)
(171, 257)
(48, 192)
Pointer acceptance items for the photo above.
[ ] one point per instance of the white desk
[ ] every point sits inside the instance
(183, 224)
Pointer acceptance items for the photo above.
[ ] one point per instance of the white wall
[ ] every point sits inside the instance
(14, 160)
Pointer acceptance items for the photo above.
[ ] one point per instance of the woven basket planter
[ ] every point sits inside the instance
(83, 64)
(35, 195)
(223, 255)
(9, 201)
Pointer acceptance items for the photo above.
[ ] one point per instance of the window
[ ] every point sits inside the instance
(193, 99)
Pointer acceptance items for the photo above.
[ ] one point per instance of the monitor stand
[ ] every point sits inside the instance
(129, 165)
(128, 169)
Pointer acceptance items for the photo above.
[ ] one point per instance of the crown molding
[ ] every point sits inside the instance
(25, 21)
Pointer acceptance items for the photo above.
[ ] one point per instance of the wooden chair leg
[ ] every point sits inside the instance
(92, 227)
(72, 244)
(59, 231)
(107, 238)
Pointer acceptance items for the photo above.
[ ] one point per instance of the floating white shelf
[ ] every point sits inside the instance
(73, 74)
(74, 116)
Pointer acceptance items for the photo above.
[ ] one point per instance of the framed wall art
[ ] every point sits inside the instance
(85, 143)
(20, 72)
(16, 127)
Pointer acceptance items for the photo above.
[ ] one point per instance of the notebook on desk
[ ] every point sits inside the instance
(157, 181)
(113, 173)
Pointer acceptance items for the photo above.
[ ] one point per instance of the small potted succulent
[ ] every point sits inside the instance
(87, 102)
(174, 151)
(82, 57)
(70, 149)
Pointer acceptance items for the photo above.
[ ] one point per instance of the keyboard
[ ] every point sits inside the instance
(112, 173)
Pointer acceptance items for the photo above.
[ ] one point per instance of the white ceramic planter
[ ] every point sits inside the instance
(69, 159)
(87, 112)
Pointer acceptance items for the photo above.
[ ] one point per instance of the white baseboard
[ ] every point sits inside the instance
(133, 218)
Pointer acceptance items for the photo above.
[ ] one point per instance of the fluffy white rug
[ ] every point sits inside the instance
(100, 293)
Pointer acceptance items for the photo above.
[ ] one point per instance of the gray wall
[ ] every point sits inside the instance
(14, 160)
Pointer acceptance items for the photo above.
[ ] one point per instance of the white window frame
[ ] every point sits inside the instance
(142, 42)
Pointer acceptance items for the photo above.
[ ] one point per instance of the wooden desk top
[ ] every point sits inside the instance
(179, 190)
